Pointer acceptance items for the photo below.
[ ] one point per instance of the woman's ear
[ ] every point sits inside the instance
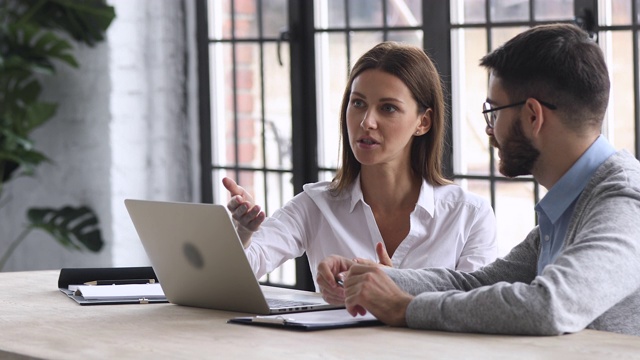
(425, 122)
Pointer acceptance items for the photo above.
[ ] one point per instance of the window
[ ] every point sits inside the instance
(273, 73)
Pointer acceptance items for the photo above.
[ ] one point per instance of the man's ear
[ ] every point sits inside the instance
(534, 116)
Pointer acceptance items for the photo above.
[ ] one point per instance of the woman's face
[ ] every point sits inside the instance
(382, 119)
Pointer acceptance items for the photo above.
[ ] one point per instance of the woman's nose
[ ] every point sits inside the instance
(368, 121)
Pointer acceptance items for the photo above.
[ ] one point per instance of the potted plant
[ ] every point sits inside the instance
(35, 36)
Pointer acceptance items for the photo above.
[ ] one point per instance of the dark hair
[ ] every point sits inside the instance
(559, 64)
(416, 70)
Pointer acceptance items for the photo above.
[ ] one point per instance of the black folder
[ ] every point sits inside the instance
(121, 275)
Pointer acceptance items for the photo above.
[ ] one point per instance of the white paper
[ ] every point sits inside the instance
(323, 317)
(120, 292)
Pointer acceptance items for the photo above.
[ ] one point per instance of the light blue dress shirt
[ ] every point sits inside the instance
(555, 209)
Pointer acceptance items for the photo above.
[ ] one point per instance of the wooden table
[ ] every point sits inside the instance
(38, 321)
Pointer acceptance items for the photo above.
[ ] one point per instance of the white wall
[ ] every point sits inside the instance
(125, 128)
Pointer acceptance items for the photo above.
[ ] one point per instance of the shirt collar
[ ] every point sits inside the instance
(568, 188)
(426, 199)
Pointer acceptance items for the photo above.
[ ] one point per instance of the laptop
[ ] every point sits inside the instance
(199, 260)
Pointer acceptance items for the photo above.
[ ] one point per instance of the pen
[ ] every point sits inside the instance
(121, 282)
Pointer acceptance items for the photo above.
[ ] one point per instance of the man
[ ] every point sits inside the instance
(580, 268)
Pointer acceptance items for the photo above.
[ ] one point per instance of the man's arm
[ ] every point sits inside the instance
(517, 266)
(597, 270)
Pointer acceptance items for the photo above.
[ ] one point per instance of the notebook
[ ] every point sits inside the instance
(199, 260)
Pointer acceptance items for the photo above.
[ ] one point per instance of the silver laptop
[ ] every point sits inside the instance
(195, 251)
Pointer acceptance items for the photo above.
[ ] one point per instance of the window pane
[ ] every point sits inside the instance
(614, 12)
(515, 213)
(413, 37)
(222, 104)
(277, 108)
(500, 36)
(619, 121)
(365, 13)
(553, 10)
(329, 14)
(219, 19)
(246, 24)
(274, 18)
(478, 187)
(509, 10)
(469, 92)
(363, 41)
(248, 127)
(326, 175)
(331, 78)
(220, 194)
(280, 185)
(284, 275)
(404, 13)
(468, 11)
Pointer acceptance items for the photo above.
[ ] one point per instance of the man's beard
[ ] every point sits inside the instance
(517, 154)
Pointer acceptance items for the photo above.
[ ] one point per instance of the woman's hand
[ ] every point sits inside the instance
(248, 215)
(330, 271)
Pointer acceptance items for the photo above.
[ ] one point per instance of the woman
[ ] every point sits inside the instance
(389, 199)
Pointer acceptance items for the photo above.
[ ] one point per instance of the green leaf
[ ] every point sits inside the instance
(26, 161)
(86, 20)
(29, 92)
(38, 113)
(75, 228)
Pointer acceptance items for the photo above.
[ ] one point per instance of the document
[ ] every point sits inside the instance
(120, 292)
(313, 320)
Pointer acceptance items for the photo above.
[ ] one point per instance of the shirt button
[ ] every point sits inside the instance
(546, 238)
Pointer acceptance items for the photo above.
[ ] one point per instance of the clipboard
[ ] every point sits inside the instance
(309, 321)
(71, 278)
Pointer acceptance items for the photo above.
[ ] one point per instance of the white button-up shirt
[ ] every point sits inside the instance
(450, 228)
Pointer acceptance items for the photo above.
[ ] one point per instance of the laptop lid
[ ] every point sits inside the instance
(195, 251)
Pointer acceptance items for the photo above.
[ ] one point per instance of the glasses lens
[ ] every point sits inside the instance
(488, 114)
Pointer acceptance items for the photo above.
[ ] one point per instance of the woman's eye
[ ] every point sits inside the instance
(357, 103)
(389, 108)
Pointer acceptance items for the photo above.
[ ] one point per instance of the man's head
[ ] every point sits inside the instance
(558, 64)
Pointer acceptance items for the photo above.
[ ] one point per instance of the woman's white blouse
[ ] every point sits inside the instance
(450, 228)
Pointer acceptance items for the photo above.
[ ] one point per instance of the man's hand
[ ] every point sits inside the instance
(248, 215)
(369, 288)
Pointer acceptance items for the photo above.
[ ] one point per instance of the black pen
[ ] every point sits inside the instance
(121, 282)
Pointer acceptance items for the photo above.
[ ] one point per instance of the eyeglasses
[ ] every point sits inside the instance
(490, 114)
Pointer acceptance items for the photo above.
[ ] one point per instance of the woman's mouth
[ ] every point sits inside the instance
(367, 141)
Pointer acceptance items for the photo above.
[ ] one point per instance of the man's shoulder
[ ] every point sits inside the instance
(620, 172)
(621, 166)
